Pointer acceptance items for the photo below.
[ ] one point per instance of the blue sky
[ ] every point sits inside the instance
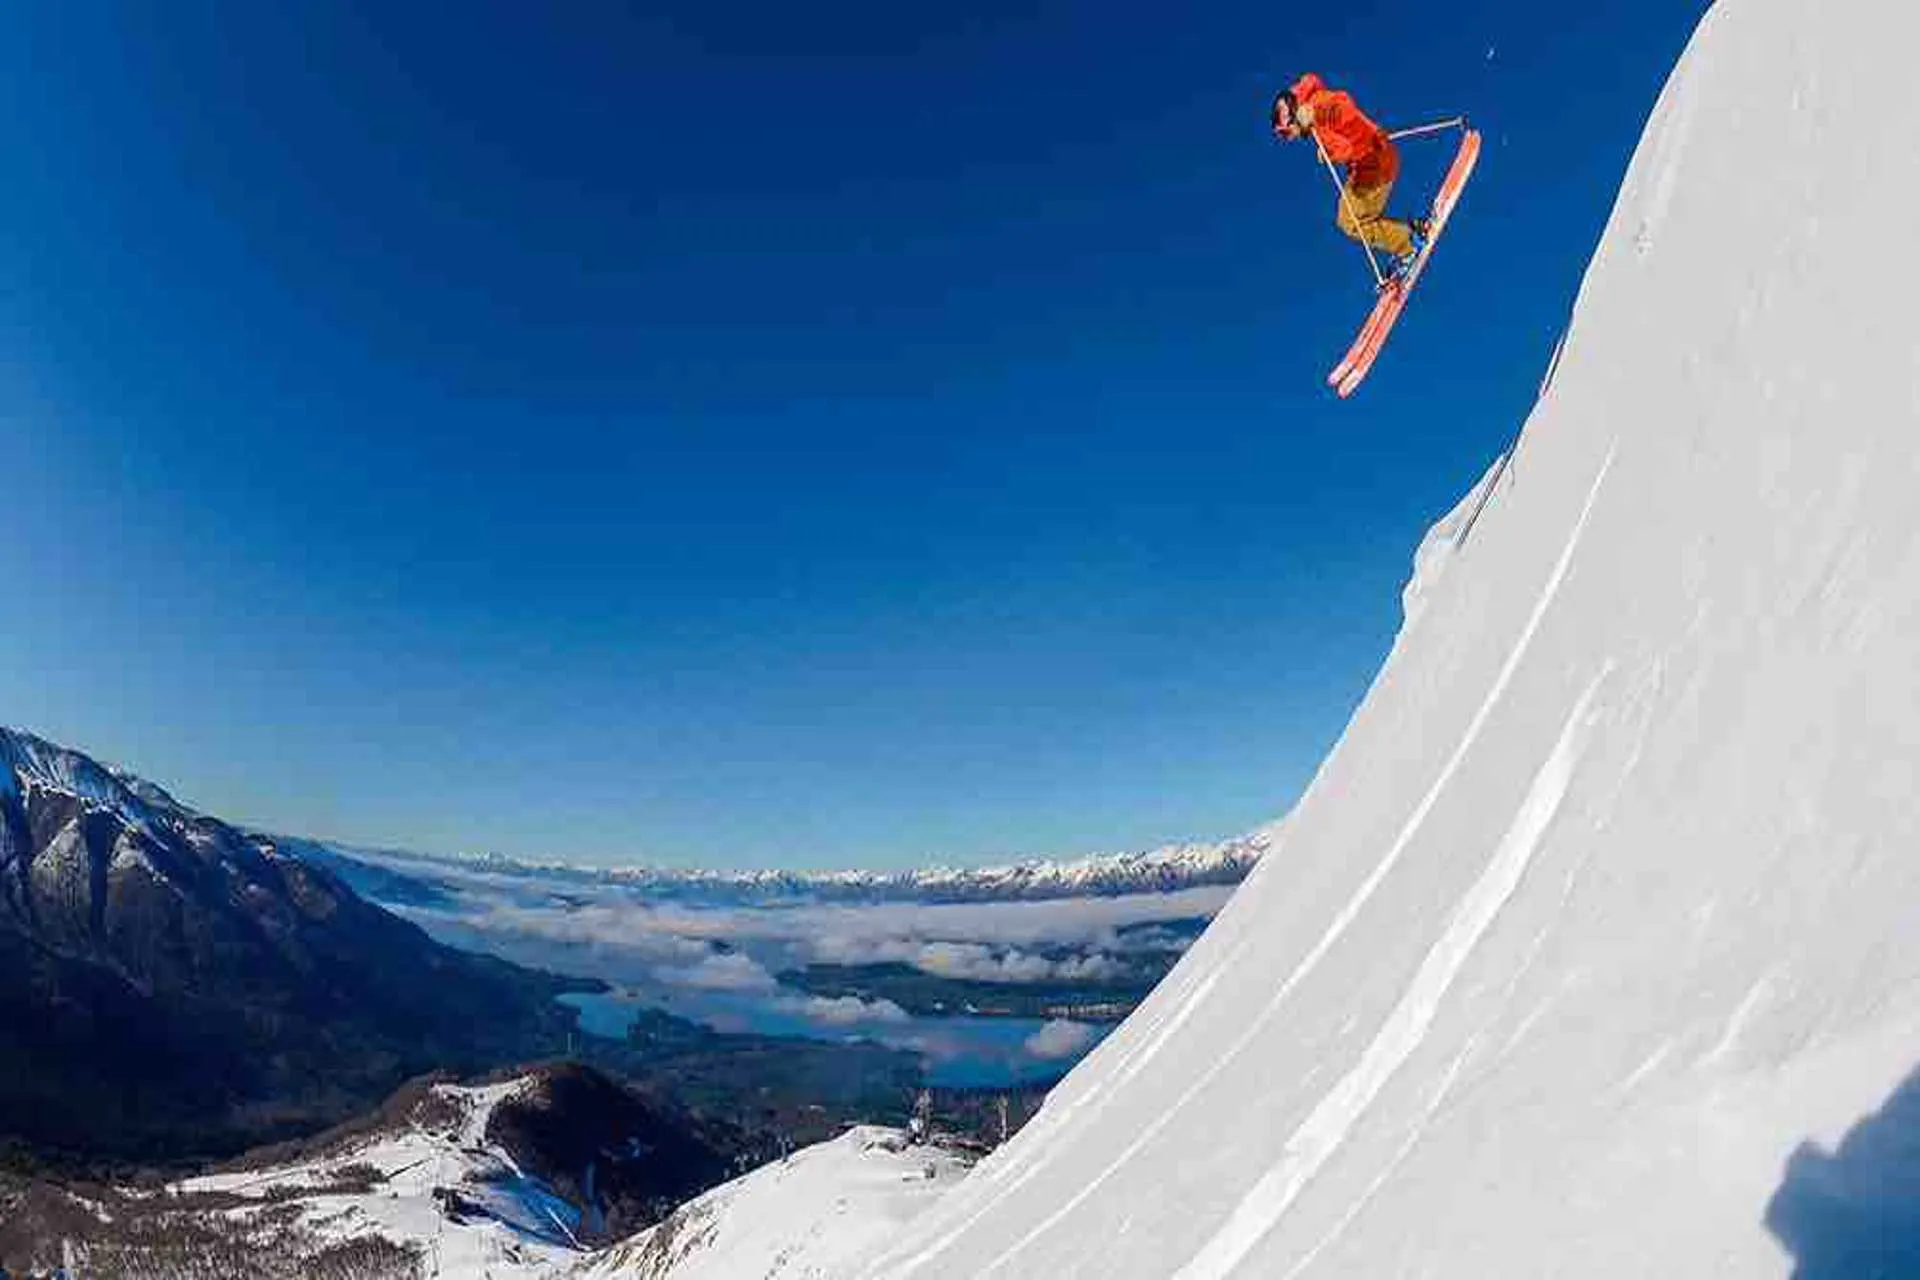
(722, 432)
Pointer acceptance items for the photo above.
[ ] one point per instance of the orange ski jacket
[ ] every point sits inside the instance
(1349, 136)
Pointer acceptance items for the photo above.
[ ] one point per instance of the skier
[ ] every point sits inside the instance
(1347, 137)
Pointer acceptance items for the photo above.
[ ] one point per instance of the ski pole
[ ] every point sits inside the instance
(1353, 215)
(1456, 122)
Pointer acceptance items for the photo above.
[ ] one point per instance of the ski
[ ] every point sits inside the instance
(1361, 341)
(1353, 369)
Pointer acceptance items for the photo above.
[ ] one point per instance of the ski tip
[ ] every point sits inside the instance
(1354, 376)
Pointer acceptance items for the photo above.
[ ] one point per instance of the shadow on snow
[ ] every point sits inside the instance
(1854, 1213)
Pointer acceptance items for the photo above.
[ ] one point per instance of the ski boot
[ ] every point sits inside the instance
(1403, 264)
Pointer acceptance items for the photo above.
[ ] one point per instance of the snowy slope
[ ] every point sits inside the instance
(1600, 927)
(427, 1187)
(799, 1219)
(435, 1185)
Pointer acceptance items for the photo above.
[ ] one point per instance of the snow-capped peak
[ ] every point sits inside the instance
(29, 761)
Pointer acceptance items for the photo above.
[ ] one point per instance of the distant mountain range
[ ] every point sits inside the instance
(1163, 870)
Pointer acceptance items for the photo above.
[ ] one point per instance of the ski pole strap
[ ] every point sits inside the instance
(1457, 122)
(1353, 214)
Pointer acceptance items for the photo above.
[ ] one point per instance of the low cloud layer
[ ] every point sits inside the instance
(979, 963)
(1083, 938)
(719, 961)
(846, 1011)
(1061, 1039)
(726, 971)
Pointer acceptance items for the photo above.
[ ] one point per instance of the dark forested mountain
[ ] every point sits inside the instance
(173, 987)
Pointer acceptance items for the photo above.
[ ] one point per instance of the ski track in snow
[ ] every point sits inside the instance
(1392, 1166)
(1325, 1129)
(1750, 1005)
(1181, 1008)
(1326, 943)
(1187, 992)
(1096, 1098)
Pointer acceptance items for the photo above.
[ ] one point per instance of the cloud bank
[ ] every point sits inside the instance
(718, 961)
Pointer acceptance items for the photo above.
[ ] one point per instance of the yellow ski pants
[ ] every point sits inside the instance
(1362, 216)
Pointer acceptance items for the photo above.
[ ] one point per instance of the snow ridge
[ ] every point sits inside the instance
(30, 761)
(1595, 930)
(1334, 931)
(801, 1217)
